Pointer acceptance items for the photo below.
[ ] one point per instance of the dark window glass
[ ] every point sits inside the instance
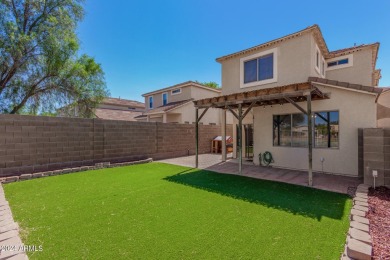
(334, 129)
(282, 130)
(344, 61)
(333, 63)
(292, 130)
(326, 129)
(266, 67)
(176, 91)
(299, 130)
(317, 59)
(150, 102)
(250, 71)
(165, 99)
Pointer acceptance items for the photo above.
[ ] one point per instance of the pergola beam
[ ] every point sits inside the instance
(248, 109)
(250, 100)
(310, 139)
(232, 111)
(203, 113)
(292, 102)
(239, 138)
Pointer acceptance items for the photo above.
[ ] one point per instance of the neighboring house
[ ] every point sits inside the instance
(175, 104)
(119, 109)
(111, 109)
(273, 78)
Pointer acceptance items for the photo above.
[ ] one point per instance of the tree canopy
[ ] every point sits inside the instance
(210, 84)
(40, 65)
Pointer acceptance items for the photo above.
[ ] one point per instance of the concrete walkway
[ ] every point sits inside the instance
(213, 162)
(205, 160)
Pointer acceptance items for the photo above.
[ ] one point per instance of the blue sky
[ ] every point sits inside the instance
(147, 45)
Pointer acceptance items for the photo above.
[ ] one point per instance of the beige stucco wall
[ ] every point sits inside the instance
(296, 59)
(157, 98)
(200, 93)
(383, 110)
(293, 65)
(356, 110)
(359, 73)
(187, 92)
(188, 115)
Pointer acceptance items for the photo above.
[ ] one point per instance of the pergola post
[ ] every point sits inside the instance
(196, 138)
(223, 135)
(310, 137)
(239, 138)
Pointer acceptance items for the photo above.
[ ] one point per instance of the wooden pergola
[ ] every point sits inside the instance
(239, 104)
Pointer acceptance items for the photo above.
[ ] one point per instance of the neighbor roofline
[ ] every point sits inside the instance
(180, 85)
(314, 27)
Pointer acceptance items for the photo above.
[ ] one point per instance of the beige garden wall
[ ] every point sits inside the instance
(343, 160)
(36, 144)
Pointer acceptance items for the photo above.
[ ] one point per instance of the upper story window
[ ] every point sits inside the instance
(165, 98)
(340, 62)
(176, 91)
(317, 59)
(150, 102)
(258, 69)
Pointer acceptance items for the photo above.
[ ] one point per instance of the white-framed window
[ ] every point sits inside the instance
(340, 62)
(176, 91)
(323, 67)
(258, 69)
(164, 99)
(151, 102)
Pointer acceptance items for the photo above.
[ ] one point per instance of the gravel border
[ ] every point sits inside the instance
(70, 170)
(359, 242)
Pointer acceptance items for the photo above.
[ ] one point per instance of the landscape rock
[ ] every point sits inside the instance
(360, 226)
(359, 250)
(360, 235)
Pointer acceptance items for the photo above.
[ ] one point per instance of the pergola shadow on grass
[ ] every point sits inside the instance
(295, 199)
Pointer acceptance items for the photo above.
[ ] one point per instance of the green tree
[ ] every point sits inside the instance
(210, 84)
(40, 66)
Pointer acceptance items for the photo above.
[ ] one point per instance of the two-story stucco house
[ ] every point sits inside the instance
(280, 88)
(174, 104)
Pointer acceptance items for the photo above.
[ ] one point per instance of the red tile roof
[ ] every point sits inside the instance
(344, 51)
(113, 114)
(123, 102)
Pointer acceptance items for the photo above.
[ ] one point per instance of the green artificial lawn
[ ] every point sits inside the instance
(162, 211)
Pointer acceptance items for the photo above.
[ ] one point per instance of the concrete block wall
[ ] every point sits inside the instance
(376, 156)
(34, 144)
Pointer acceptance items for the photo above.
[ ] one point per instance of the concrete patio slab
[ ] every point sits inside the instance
(321, 181)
